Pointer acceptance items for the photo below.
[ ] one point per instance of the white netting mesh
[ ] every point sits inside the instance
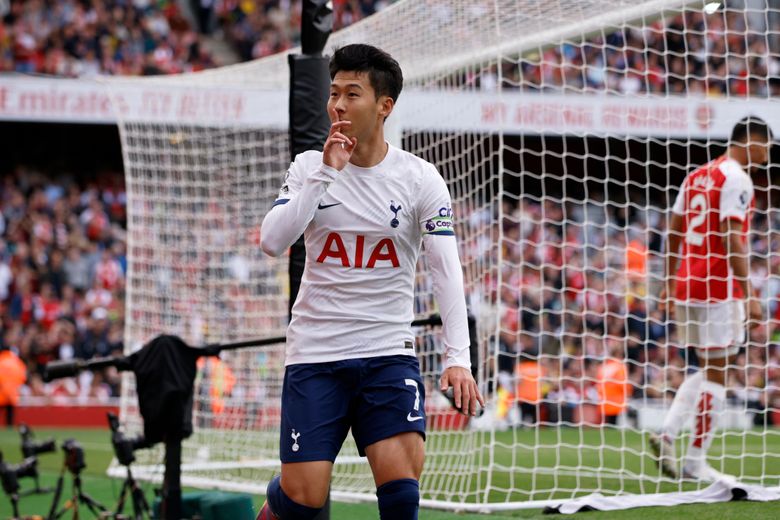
(563, 130)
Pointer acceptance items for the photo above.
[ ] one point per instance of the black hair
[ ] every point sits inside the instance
(384, 73)
(751, 126)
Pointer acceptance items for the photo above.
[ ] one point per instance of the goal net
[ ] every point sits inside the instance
(563, 130)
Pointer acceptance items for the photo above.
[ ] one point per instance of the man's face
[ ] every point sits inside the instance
(757, 152)
(353, 98)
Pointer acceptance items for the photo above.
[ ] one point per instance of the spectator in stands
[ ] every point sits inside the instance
(613, 385)
(530, 390)
(205, 14)
(566, 391)
(76, 268)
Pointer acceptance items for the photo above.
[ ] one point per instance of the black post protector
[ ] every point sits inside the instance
(309, 126)
(309, 121)
(316, 26)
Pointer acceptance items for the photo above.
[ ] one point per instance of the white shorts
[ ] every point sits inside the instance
(717, 330)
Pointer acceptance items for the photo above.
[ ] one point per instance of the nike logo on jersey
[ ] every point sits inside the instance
(411, 418)
(326, 206)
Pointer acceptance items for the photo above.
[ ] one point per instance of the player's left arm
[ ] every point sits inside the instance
(671, 259)
(735, 200)
(441, 249)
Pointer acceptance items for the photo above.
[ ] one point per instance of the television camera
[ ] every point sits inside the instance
(10, 475)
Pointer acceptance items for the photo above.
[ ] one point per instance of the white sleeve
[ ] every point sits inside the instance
(295, 206)
(442, 254)
(434, 210)
(679, 202)
(735, 196)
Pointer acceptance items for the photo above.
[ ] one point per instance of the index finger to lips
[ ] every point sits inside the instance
(339, 125)
(334, 116)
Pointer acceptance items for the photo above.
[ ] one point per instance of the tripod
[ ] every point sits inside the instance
(140, 505)
(73, 503)
(14, 504)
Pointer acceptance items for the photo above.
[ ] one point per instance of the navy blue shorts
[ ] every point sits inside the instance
(377, 398)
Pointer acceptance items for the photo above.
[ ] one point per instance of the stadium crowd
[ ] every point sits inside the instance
(62, 272)
(81, 38)
(726, 52)
(265, 27)
(86, 38)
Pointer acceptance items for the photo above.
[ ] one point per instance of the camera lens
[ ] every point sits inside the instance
(74, 456)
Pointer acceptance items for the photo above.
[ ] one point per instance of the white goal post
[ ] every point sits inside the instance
(563, 130)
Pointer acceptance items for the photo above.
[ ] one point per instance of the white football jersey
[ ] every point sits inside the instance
(356, 298)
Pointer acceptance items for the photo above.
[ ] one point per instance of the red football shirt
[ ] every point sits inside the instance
(717, 191)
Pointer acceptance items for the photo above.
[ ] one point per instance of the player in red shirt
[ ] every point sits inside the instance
(710, 293)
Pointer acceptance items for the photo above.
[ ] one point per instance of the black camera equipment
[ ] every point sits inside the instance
(165, 374)
(74, 456)
(123, 449)
(73, 462)
(124, 446)
(10, 475)
(32, 448)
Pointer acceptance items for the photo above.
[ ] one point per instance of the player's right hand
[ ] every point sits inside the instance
(338, 147)
(754, 313)
(465, 391)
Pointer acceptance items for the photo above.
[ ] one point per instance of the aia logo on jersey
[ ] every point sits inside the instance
(383, 251)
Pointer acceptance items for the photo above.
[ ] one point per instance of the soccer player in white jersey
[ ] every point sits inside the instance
(365, 208)
(710, 294)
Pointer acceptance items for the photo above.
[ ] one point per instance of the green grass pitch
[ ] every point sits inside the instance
(741, 454)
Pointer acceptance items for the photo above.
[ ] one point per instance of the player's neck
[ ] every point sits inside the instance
(368, 154)
(737, 155)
